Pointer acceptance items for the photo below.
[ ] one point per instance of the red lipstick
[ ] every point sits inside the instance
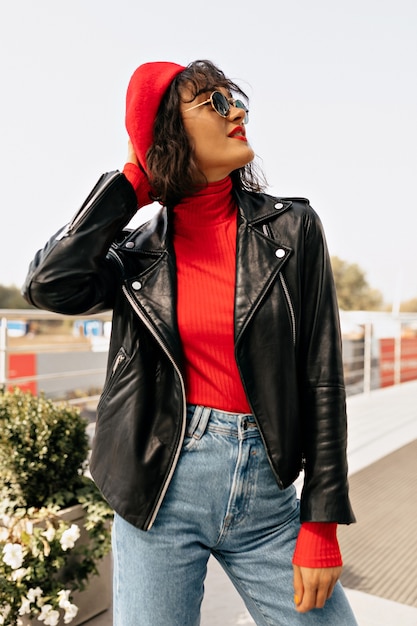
(238, 133)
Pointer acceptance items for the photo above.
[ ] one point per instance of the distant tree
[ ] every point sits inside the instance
(353, 290)
(11, 298)
(409, 306)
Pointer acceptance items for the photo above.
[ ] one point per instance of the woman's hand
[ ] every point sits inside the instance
(131, 154)
(312, 587)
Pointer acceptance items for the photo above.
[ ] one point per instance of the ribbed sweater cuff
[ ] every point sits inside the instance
(139, 182)
(317, 546)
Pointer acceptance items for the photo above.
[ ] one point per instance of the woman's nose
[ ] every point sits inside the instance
(236, 113)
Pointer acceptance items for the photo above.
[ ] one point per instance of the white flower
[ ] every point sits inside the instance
(30, 598)
(25, 606)
(69, 537)
(5, 520)
(70, 612)
(49, 615)
(63, 597)
(49, 533)
(52, 618)
(13, 555)
(34, 593)
(18, 574)
(4, 534)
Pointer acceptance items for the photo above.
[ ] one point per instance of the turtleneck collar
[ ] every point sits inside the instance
(211, 205)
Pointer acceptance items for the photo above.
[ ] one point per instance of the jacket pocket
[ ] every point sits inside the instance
(117, 368)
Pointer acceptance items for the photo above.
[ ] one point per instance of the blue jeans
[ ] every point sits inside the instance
(223, 501)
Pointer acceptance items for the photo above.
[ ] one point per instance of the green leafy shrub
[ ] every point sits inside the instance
(43, 461)
(43, 449)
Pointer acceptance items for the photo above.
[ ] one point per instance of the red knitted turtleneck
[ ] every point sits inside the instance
(205, 247)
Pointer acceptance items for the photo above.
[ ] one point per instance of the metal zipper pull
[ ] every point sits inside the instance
(118, 360)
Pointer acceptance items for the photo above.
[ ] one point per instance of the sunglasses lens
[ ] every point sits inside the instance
(241, 105)
(220, 103)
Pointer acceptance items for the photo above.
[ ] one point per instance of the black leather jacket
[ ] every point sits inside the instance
(287, 339)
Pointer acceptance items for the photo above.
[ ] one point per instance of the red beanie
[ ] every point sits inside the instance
(146, 89)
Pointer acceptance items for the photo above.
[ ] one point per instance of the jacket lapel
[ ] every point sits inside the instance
(259, 256)
(152, 288)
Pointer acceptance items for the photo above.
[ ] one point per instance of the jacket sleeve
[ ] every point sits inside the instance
(73, 274)
(323, 399)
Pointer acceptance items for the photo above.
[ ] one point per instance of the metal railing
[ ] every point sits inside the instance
(65, 356)
(379, 349)
(56, 354)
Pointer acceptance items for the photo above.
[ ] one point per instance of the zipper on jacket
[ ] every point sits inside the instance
(118, 361)
(184, 416)
(89, 203)
(290, 306)
(268, 232)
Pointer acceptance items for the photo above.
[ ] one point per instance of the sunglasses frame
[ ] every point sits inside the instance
(229, 101)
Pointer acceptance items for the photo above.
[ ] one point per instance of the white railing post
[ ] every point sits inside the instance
(397, 355)
(3, 351)
(367, 358)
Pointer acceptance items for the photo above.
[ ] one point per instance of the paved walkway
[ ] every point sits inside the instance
(380, 423)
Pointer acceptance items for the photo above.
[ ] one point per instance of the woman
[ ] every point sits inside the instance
(225, 372)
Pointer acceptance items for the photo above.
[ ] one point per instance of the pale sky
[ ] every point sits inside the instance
(333, 111)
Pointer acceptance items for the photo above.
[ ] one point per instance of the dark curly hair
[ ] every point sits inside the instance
(171, 165)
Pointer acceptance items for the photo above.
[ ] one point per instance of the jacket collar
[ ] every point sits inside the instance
(259, 259)
(257, 208)
(254, 209)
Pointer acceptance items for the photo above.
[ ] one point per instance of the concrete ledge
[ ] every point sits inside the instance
(380, 422)
(372, 611)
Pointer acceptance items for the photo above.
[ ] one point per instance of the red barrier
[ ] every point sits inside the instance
(21, 365)
(408, 370)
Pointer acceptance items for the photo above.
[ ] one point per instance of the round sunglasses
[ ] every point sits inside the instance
(222, 105)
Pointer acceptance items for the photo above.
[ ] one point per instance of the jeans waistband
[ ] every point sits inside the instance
(201, 419)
